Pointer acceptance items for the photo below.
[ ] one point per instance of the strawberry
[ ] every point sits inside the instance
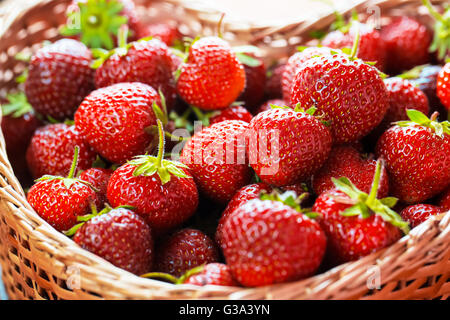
(113, 120)
(418, 213)
(346, 161)
(444, 199)
(231, 113)
(293, 64)
(286, 146)
(407, 42)
(349, 93)
(165, 32)
(59, 77)
(273, 83)
(217, 274)
(212, 77)
(51, 150)
(161, 191)
(217, 159)
(357, 223)
(98, 178)
(59, 200)
(184, 250)
(145, 61)
(267, 105)
(443, 86)
(262, 244)
(255, 83)
(417, 155)
(119, 236)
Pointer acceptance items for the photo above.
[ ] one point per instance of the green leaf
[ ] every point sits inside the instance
(248, 60)
(17, 105)
(246, 49)
(352, 211)
(417, 116)
(389, 201)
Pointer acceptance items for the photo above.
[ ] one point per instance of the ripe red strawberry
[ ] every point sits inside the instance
(346, 161)
(59, 200)
(231, 113)
(184, 250)
(444, 200)
(350, 94)
(98, 178)
(217, 159)
(119, 236)
(418, 213)
(217, 274)
(371, 47)
(59, 77)
(165, 32)
(443, 86)
(145, 61)
(113, 120)
(51, 150)
(286, 146)
(407, 42)
(267, 105)
(212, 77)
(161, 191)
(255, 83)
(293, 64)
(262, 244)
(417, 155)
(357, 223)
(273, 82)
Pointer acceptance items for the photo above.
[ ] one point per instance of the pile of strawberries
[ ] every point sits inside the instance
(186, 160)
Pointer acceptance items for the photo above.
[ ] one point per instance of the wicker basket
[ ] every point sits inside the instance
(40, 263)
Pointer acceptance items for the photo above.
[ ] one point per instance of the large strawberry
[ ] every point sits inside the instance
(161, 191)
(266, 242)
(99, 178)
(357, 223)
(417, 155)
(418, 213)
(59, 200)
(59, 77)
(346, 161)
(217, 159)
(51, 150)
(350, 94)
(443, 86)
(286, 146)
(113, 120)
(212, 77)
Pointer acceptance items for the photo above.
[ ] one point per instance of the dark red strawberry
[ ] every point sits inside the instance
(349, 93)
(59, 200)
(443, 86)
(418, 213)
(217, 159)
(99, 178)
(161, 191)
(407, 42)
(212, 77)
(119, 236)
(113, 120)
(262, 244)
(357, 223)
(346, 161)
(267, 105)
(444, 199)
(273, 82)
(286, 146)
(417, 155)
(59, 77)
(51, 150)
(184, 250)
(255, 83)
(217, 274)
(165, 32)
(231, 113)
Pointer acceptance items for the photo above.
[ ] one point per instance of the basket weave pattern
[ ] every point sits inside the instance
(40, 263)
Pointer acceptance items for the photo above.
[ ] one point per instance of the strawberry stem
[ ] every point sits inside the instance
(219, 26)
(160, 275)
(375, 184)
(160, 145)
(355, 42)
(122, 36)
(74, 163)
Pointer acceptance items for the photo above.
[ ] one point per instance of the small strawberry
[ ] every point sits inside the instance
(444, 199)
(346, 161)
(262, 244)
(418, 213)
(119, 236)
(217, 159)
(59, 200)
(212, 77)
(59, 77)
(113, 120)
(98, 178)
(267, 105)
(286, 146)
(417, 155)
(255, 83)
(357, 223)
(273, 82)
(231, 113)
(443, 86)
(51, 150)
(184, 250)
(407, 42)
(165, 32)
(217, 274)
(161, 191)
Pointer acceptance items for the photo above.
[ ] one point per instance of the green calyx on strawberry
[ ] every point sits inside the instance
(149, 165)
(290, 199)
(97, 21)
(18, 105)
(441, 41)
(172, 279)
(413, 73)
(418, 118)
(365, 205)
